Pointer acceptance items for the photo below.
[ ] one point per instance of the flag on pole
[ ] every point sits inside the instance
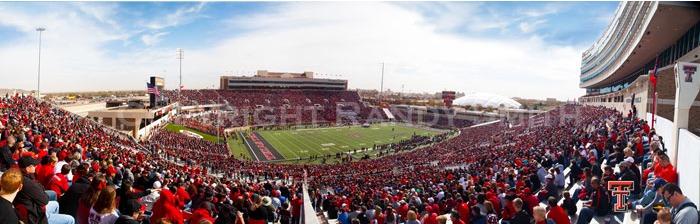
(152, 89)
(654, 74)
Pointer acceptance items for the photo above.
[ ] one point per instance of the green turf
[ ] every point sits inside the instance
(237, 147)
(322, 141)
(176, 128)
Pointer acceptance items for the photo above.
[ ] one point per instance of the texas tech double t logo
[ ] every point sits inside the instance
(621, 190)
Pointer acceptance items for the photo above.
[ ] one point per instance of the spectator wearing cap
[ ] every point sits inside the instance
(269, 208)
(550, 189)
(652, 196)
(258, 213)
(529, 199)
(130, 211)
(31, 198)
(343, 217)
(683, 210)
(150, 200)
(10, 184)
(403, 210)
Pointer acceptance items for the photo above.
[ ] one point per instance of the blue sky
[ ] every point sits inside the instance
(524, 49)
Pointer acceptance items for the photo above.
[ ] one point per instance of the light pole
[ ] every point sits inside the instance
(38, 79)
(180, 55)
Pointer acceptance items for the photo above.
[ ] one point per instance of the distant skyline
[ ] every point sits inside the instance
(515, 49)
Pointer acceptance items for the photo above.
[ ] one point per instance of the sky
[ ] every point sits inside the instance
(515, 49)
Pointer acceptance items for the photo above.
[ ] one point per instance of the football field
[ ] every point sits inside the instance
(303, 143)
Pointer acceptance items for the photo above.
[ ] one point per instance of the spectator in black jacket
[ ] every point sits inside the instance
(31, 199)
(130, 211)
(69, 202)
(6, 151)
(521, 216)
(599, 205)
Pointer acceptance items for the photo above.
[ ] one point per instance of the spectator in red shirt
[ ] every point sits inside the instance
(556, 212)
(59, 182)
(664, 169)
(297, 202)
(46, 172)
(454, 217)
(463, 210)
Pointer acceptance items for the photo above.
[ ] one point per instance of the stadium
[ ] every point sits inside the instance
(293, 147)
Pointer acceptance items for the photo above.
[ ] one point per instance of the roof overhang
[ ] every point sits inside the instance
(670, 21)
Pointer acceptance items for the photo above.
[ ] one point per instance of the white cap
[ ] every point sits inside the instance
(629, 160)
(549, 176)
(156, 185)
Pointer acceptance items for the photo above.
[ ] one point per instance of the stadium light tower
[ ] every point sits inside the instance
(38, 79)
(180, 55)
(381, 90)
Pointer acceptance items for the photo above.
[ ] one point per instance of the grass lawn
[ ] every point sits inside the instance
(236, 147)
(322, 141)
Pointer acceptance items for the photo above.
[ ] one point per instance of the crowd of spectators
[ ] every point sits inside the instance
(434, 118)
(490, 172)
(280, 107)
(501, 170)
(112, 179)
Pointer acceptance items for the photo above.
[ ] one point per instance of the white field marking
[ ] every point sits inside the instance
(304, 151)
(325, 149)
(377, 141)
(345, 146)
(327, 144)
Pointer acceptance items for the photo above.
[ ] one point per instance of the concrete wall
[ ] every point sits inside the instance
(688, 166)
(638, 88)
(689, 153)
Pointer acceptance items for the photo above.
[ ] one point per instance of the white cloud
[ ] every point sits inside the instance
(351, 39)
(530, 26)
(180, 16)
(151, 39)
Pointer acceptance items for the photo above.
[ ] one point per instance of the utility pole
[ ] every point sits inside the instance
(381, 90)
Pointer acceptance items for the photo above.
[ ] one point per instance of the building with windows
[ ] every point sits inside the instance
(615, 70)
(281, 80)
